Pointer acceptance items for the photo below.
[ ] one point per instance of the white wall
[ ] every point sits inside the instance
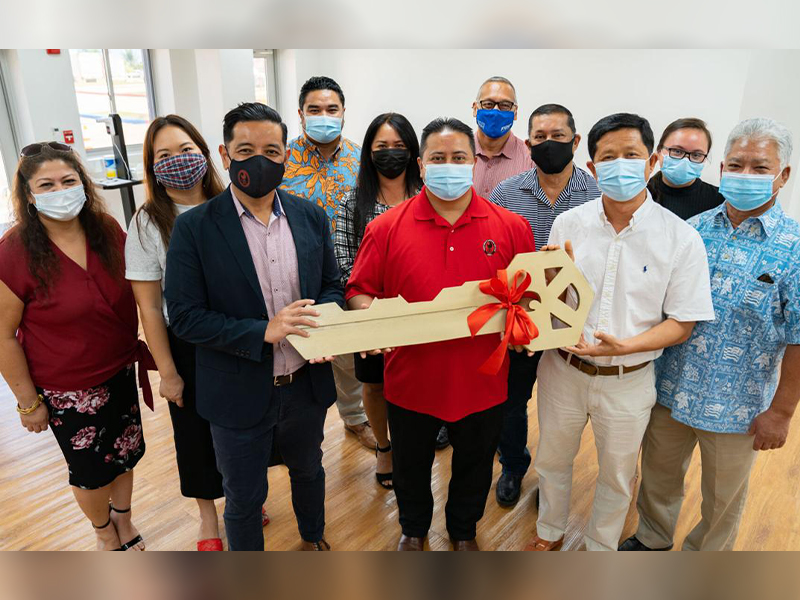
(719, 86)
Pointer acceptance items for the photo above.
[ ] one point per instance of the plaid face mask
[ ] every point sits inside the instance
(182, 171)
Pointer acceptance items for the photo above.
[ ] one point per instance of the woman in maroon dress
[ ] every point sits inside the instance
(68, 335)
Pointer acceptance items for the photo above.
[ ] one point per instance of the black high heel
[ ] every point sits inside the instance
(104, 526)
(137, 540)
(384, 479)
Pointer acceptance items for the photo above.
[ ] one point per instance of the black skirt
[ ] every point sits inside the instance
(99, 429)
(194, 448)
(370, 369)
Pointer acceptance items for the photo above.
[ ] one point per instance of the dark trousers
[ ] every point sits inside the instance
(474, 439)
(514, 454)
(194, 447)
(294, 425)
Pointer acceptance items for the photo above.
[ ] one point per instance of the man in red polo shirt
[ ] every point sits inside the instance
(444, 237)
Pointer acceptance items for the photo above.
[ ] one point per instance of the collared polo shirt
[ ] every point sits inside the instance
(654, 269)
(514, 158)
(411, 251)
(727, 372)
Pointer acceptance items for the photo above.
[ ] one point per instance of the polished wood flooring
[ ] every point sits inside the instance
(39, 513)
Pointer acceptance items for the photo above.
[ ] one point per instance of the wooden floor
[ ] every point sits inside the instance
(39, 513)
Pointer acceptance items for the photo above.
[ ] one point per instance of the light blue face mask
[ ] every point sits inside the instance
(681, 171)
(746, 192)
(448, 182)
(323, 129)
(621, 179)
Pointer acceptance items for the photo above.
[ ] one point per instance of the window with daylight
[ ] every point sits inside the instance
(113, 81)
(264, 75)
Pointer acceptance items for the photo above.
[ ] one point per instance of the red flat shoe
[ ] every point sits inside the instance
(264, 517)
(211, 545)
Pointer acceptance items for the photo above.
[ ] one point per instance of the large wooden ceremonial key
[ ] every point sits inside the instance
(393, 322)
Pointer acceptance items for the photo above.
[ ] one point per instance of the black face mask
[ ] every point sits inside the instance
(257, 176)
(552, 156)
(391, 162)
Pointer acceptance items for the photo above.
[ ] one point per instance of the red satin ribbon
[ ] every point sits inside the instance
(520, 329)
(146, 363)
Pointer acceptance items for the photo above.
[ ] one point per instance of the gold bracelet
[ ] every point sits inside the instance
(30, 409)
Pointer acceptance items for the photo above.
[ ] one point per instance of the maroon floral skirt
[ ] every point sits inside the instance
(99, 430)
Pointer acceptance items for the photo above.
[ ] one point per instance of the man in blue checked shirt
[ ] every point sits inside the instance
(733, 386)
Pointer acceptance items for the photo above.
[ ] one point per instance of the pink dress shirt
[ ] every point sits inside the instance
(275, 258)
(513, 159)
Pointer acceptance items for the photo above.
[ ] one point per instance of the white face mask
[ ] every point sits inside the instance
(63, 205)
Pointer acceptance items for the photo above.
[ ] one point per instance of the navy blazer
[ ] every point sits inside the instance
(214, 301)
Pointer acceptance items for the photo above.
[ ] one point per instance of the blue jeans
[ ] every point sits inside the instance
(514, 454)
(293, 426)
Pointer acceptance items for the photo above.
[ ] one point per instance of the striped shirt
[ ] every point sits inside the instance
(275, 259)
(514, 158)
(523, 195)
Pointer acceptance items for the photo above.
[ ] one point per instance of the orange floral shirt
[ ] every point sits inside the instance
(326, 182)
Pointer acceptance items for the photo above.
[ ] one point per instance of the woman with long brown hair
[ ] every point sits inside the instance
(179, 175)
(68, 335)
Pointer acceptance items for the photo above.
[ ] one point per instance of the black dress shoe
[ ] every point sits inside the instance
(634, 545)
(442, 440)
(508, 490)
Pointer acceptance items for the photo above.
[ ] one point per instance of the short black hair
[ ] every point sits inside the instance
(250, 111)
(619, 121)
(319, 83)
(442, 124)
(550, 109)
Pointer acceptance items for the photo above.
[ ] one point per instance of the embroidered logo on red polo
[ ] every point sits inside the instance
(489, 247)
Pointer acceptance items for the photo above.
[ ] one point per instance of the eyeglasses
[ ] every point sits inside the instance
(34, 149)
(503, 105)
(678, 153)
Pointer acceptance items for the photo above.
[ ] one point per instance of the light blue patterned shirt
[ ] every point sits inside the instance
(727, 371)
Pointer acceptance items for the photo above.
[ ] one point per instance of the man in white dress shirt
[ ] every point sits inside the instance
(649, 272)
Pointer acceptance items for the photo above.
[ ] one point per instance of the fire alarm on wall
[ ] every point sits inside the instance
(69, 137)
(53, 51)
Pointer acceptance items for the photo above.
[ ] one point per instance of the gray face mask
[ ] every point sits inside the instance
(63, 205)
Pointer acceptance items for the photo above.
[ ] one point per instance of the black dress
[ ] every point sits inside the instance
(194, 448)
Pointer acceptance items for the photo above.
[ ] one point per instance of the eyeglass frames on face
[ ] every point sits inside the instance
(678, 153)
(502, 105)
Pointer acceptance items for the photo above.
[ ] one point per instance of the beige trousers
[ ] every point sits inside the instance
(348, 391)
(619, 408)
(726, 461)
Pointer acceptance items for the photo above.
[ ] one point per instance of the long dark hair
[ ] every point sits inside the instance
(368, 186)
(158, 205)
(102, 232)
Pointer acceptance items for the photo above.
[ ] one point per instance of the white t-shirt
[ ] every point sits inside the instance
(654, 269)
(145, 253)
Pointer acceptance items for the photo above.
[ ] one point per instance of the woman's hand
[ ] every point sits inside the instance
(171, 388)
(37, 421)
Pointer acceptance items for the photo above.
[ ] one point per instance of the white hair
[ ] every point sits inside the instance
(763, 128)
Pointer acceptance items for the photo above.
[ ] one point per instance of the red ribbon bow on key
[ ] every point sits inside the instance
(520, 329)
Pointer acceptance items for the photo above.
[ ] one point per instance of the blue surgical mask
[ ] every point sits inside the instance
(323, 129)
(61, 205)
(621, 179)
(448, 182)
(495, 123)
(746, 192)
(681, 171)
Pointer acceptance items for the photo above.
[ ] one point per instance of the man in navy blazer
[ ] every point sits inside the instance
(243, 272)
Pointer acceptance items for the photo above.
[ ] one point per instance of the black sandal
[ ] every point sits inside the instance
(384, 479)
(137, 540)
(104, 526)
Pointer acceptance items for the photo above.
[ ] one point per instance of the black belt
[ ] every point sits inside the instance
(595, 370)
(287, 379)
